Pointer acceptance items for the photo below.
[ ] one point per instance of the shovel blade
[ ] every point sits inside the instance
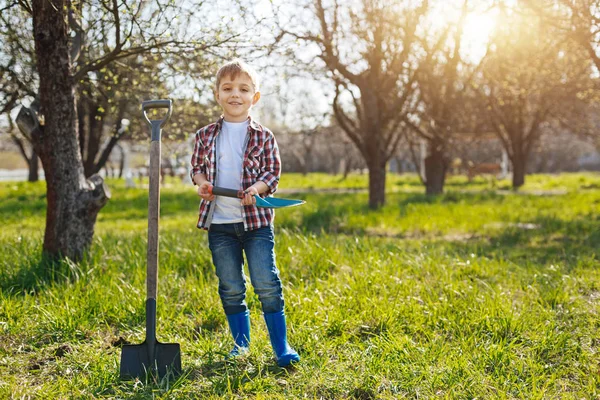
(276, 202)
(137, 360)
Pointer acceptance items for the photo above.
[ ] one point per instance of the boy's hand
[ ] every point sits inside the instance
(203, 191)
(249, 199)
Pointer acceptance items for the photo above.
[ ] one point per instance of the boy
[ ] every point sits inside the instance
(238, 153)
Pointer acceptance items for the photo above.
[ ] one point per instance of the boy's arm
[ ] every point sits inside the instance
(257, 188)
(271, 168)
(198, 165)
(203, 187)
(260, 187)
(198, 172)
(199, 179)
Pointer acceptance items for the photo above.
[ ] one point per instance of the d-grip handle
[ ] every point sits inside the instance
(219, 191)
(164, 103)
(151, 104)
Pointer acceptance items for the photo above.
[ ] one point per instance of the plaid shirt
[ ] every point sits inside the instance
(261, 163)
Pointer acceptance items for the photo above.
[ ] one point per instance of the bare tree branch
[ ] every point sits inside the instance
(346, 123)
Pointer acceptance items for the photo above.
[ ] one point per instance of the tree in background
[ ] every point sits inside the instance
(310, 140)
(105, 96)
(113, 93)
(443, 79)
(307, 130)
(367, 49)
(17, 76)
(530, 75)
(73, 201)
(578, 21)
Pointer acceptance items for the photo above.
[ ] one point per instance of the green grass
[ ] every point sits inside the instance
(412, 183)
(478, 293)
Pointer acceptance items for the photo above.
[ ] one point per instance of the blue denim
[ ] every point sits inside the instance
(227, 242)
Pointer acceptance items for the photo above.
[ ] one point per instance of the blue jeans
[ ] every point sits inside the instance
(226, 243)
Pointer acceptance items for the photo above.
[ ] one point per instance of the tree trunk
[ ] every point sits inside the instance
(96, 167)
(119, 131)
(81, 123)
(72, 201)
(26, 120)
(304, 168)
(307, 157)
(435, 169)
(519, 164)
(33, 164)
(94, 136)
(344, 168)
(376, 185)
(373, 150)
(122, 161)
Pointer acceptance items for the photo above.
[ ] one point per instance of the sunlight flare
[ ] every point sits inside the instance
(477, 26)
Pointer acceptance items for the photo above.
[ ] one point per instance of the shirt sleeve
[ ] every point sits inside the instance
(271, 168)
(198, 166)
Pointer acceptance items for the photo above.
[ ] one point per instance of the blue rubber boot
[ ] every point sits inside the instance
(239, 324)
(277, 333)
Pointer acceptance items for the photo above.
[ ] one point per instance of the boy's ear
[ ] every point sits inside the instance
(256, 98)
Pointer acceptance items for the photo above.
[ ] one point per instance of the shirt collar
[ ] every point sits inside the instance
(252, 124)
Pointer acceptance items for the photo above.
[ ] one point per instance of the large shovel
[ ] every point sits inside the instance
(267, 202)
(152, 356)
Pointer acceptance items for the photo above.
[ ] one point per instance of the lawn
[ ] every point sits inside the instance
(479, 293)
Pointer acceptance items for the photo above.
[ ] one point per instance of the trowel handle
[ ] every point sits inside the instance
(219, 191)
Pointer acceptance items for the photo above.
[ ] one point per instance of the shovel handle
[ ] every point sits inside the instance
(154, 194)
(219, 191)
(153, 220)
(150, 104)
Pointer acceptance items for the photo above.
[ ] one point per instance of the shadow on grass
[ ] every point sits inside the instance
(458, 182)
(452, 197)
(227, 378)
(329, 214)
(543, 241)
(35, 275)
(540, 240)
(327, 220)
(23, 205)
(332, 212)
(230, 376)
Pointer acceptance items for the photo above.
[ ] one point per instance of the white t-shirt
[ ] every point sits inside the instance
(230, 148)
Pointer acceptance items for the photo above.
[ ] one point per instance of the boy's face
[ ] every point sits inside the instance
(236, 96)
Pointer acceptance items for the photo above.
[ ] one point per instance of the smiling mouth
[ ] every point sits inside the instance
(235, 104)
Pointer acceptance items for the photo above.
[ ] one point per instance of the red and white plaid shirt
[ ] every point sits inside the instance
(261, 163)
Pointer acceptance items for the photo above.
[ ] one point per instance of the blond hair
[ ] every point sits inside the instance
(233, 69)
